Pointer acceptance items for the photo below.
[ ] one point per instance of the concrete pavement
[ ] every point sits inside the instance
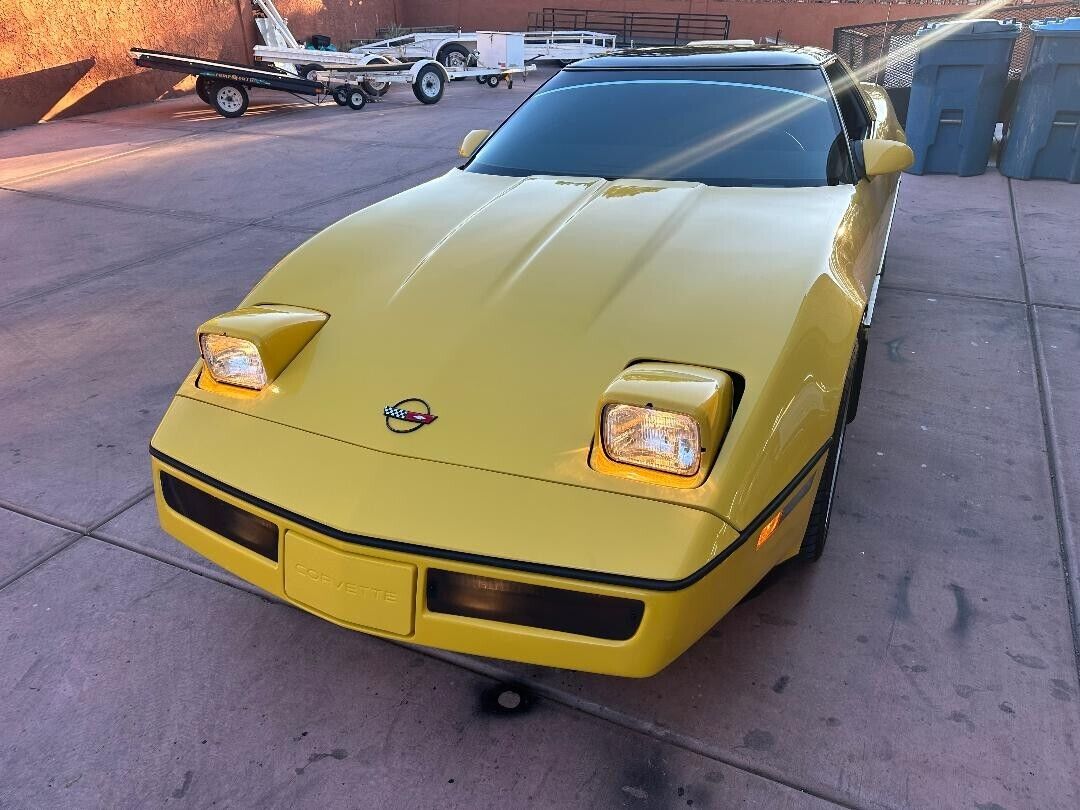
(927, 661)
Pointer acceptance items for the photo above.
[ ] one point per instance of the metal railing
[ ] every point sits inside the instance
(634, 27)
(881, 51)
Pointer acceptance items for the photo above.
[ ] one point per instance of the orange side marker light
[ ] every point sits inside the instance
(769, 529)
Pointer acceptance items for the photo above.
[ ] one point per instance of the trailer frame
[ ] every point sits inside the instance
(213, 76)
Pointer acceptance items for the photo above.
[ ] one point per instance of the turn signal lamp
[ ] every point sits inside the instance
(248, 348)
(769, 529)
(663, 423)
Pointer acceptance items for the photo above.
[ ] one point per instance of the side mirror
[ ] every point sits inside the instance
(472, 142)
(885, 157)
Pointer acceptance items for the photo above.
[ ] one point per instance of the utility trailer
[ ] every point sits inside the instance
(457, 51)
(500, 57)
(224, 85)
(376, 71)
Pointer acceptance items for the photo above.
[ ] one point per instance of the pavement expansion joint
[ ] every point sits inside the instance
(41, 517)
(344, 194)
(39, 560)
(426, 147)
(978, 297)
(79, 532)
(79, 164)
(1070, 554)
(122, 207)
(109, 271)
(175, 562)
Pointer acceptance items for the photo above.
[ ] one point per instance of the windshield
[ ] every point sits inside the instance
(723, 127)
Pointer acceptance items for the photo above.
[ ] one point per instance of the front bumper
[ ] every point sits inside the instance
(392, 589)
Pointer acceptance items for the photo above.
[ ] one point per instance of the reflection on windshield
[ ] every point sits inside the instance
(773, 127)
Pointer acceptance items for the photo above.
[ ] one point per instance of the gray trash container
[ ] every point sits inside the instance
(1044, 136)
(956, 90)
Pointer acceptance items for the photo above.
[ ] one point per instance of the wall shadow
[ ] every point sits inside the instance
(146, 85)
(25, 99)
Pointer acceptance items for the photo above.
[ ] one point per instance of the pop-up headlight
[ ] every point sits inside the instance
(663, 423)
(249, 347)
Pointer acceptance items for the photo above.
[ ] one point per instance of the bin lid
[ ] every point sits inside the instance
(1069, 26)
(971, 28)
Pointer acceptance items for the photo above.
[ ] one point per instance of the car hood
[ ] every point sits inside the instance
(509, 304)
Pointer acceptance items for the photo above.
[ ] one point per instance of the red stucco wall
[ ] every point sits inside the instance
(66, 57)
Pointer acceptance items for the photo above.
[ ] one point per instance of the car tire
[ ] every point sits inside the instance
(204, 89)
(230, 100)
(817, 529)
(356, 98)
(429, 85)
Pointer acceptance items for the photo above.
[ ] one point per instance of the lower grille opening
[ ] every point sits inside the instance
(586, 614)
(243, 528)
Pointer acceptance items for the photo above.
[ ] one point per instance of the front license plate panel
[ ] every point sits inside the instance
(351, 588)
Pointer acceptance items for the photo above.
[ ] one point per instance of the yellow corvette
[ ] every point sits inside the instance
(570, 402)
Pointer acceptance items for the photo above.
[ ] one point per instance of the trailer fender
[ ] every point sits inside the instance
(418, 66)
(378, 58)
(372, 87)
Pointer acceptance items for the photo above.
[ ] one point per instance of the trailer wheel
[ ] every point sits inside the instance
(356, 98)
(454, 56)
(509, 83)
(204, 89)
(341, 96)
(429, 85)
(373, 88)
(230, 100)
(377, 89)
(308, 71)
(481, 80)
(493, 81)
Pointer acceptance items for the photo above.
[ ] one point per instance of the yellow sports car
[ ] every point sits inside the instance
(570, 402)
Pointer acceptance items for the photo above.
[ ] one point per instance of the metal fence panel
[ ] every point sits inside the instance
(884, 53)
(634, 27)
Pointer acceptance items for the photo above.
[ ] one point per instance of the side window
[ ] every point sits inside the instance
(850, 100)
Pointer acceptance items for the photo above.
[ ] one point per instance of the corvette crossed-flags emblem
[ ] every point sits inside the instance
(416, 418)
(409, 416)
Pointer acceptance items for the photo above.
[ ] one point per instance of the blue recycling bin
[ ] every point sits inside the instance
(959, 78)
(1044, 136)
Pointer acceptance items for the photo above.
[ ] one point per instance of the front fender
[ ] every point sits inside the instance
(784, 419)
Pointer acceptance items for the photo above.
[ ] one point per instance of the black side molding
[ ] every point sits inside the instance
(578, 574)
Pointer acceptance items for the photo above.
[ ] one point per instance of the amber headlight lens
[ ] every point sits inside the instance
(233, 361)
(650, 438)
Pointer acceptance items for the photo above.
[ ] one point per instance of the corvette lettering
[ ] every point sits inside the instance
(344, 586)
